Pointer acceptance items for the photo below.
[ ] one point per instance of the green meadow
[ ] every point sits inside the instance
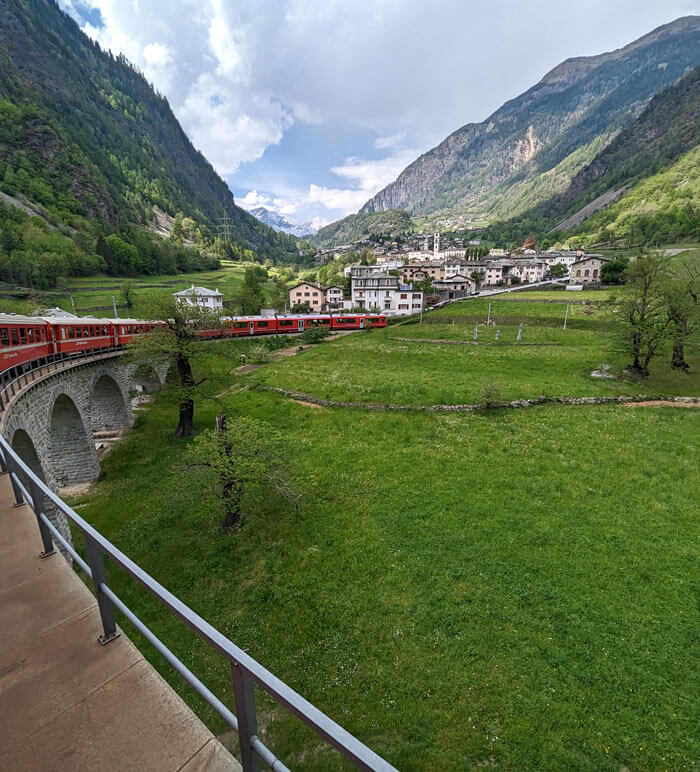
(504, 588)
(83, 295)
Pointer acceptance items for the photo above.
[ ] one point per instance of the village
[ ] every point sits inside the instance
(404, 281)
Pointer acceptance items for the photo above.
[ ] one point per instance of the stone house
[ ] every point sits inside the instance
(587, 269)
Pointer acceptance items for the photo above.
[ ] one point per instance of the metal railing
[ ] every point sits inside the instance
(37, 368)
(245, 671)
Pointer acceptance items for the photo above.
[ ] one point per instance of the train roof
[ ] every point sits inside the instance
(132, 321)
(20, 319)
(77, 321)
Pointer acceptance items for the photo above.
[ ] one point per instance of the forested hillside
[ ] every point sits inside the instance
(534, 145)
(646, 172)
(85, 137)
(355, 227)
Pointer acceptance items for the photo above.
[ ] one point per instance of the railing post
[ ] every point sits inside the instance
(46, 537)
(94, 558)
(12, 469)
(245, 713)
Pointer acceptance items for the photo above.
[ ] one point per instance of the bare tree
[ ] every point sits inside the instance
(681, 297)
(643, 316)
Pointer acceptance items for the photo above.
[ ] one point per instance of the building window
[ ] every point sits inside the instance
(586, 272)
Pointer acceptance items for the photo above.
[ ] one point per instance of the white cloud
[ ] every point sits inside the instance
(346, 200)
(390, 141)
(239, 74)
(323, 204)
(374, 175)
(253, 199)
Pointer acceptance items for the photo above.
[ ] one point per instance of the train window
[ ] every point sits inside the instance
(86, 332)
(4, 337)
(286, 323)
(240, 325)
(263, 324)
(77, 332)
(14, 336)
(30, 334)
(23, 335)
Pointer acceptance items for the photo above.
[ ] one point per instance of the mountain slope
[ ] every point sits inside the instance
(555, 128)
(378, 226)
(95, 138)
(279, 222)
(666, 129)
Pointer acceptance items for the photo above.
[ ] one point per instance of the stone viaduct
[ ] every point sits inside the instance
(55, 421)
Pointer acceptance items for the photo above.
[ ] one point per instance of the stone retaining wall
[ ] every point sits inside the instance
(297, 395)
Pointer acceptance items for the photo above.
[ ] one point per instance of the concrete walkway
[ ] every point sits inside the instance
(66, 702)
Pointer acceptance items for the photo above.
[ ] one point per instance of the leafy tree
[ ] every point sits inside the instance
(643, 316)
(245, 454)
(558, 270)
(614, 272)
(280, 294)
(680, 293)
(477, 277)
(178, 339)
(124, 257)
(128, 294)
(250, 296)
(424, 285)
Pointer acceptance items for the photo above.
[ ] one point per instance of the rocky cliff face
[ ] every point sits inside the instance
(555, 128)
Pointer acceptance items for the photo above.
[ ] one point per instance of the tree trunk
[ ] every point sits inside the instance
(186, 425)
(230, 490)
(678, 357)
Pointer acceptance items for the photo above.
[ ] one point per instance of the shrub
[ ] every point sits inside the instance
(314, 335)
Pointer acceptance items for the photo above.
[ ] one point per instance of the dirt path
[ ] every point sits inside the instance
(661, 403)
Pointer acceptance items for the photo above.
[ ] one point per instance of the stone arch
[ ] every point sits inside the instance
(23, 445)
(72, 449)
(108, 409)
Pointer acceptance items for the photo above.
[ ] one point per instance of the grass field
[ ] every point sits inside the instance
(97, 291)
(550, 361)
(505, 588)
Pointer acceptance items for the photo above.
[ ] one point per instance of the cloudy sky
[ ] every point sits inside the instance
(310, 107)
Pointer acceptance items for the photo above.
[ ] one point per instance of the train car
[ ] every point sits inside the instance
(376, 320)
(301, 322)
(348, 322)
(251, 325)
(76, 336)
(23, 339)
(126, 330)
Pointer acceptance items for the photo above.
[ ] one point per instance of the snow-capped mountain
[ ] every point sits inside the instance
(281, 223)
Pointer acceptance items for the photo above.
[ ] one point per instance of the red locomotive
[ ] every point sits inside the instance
(25, 339)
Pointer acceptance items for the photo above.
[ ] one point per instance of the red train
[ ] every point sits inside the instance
(25, 339)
